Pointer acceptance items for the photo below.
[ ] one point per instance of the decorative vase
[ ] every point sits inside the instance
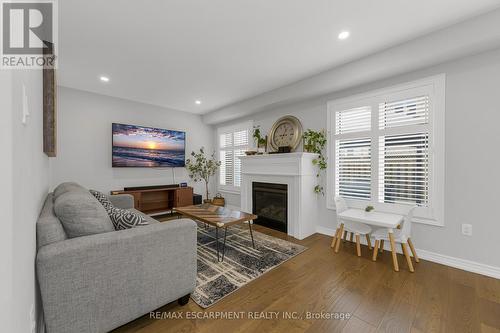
(307, 148)
(262, 146)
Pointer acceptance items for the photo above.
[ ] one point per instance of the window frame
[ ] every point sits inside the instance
(433, 86)
(248, 126)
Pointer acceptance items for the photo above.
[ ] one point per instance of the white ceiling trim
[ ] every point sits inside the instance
(473, 36)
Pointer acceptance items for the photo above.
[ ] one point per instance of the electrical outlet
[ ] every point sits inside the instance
(467, 229)
(33, 319)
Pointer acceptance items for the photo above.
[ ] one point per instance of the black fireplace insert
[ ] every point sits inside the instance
(270, 205)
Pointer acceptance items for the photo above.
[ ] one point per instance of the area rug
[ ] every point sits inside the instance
(241, 264)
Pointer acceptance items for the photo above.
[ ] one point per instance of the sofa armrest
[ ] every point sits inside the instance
(125, 201)
(99, 282)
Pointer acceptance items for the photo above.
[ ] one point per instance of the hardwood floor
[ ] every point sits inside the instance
(435, 298)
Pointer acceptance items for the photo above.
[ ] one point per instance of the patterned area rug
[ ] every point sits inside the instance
(241, 264)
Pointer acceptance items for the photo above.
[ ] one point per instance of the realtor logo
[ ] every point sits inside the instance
(28, 34)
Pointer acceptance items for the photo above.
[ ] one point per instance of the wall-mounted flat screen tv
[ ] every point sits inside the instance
(146, 147)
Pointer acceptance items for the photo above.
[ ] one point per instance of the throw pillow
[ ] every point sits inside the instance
(121, 218)
(102, 198)
(125, 219)
(66, 187)
(81, 214)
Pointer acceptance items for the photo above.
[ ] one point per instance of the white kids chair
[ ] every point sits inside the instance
(343, 227)
(401, 236)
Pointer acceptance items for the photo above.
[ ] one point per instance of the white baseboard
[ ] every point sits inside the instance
(325, 231)
(464, 264)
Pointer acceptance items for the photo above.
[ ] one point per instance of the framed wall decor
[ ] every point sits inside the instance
(49, 106)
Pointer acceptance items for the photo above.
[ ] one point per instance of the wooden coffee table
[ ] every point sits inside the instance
(219, 217)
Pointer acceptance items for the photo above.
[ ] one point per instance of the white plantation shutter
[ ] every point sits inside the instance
(241, 138)
(404, 156)
(353, 120)
(232, 145)
(240, 145)
(353, 168)
(353, 154)
(404, 169)
(410, 111)
(226, 158)
(237, 166)
(226, 140)
(225, 172)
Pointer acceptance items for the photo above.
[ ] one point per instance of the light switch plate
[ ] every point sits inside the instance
(26, 111)
(467, 229)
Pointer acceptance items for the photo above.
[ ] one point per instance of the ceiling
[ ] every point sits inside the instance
(172, 53)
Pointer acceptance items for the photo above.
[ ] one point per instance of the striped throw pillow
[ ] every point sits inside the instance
(122, 218)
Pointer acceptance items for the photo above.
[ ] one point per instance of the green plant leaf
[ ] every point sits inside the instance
(315, 142)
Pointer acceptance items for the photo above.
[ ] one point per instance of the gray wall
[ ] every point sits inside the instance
(6, 203)
(472, 160)
(25, 189)
(84, 138)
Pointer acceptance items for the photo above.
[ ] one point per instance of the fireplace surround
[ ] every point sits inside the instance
(297, 173)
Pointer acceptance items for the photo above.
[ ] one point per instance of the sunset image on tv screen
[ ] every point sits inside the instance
(137, 146)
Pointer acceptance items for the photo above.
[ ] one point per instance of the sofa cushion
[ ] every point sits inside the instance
(125, 219)
(66, 187)
(81, 214)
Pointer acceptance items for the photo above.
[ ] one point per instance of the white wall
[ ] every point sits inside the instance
(27, 188)
(6, 204)
(472, 158)
(84, 140)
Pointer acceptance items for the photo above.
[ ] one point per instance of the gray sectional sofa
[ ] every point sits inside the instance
(100, 281)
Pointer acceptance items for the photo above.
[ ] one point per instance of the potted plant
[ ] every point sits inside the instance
(315, 142)
(260, 141)
(201, 167)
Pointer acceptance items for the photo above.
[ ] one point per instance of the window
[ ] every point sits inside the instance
(232, 142)
(387, 149)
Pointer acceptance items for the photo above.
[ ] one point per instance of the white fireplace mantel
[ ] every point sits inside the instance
(294, 170)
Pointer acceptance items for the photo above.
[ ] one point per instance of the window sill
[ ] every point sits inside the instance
(229, 191)
(428, 221)
(416, 219)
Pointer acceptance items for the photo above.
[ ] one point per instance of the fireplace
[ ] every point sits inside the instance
(297, 175)
(270, 205)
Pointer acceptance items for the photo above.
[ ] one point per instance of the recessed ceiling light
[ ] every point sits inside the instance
(104, 78)
(198, 102)
(344, 35)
